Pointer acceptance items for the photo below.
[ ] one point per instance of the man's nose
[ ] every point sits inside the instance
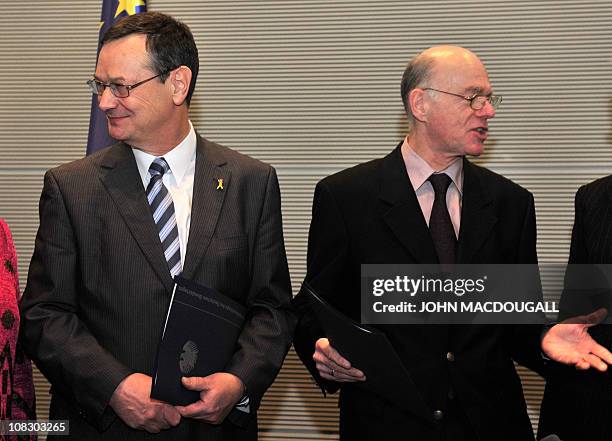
(487, 111)
(107, 100)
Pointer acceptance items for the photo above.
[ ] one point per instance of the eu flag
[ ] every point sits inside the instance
(112, 10)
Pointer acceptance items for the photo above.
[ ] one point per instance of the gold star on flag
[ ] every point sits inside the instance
(129, 6)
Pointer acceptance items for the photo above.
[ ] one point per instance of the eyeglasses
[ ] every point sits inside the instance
(477, 102)
(119, 90)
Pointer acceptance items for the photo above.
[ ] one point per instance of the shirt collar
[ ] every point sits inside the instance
(419, 170)
(178, 159)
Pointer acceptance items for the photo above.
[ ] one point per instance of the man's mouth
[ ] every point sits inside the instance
(114, 118)
(481, 133)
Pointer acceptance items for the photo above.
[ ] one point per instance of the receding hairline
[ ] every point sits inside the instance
(447, 51)
(434, 57)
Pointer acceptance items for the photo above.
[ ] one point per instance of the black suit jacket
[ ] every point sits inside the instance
(99, 286)
(370, 214)
(577, 404)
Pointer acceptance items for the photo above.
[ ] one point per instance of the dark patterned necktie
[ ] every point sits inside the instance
(440, 225)
(164, 215)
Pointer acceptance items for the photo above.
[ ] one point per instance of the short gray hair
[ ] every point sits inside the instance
(415, 75)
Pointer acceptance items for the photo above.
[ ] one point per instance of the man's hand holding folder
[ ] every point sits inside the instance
(377, 369)
(333, 366)
(132, 403)
(199, 338)
(219, 393)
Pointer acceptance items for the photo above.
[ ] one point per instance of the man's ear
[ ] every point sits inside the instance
(180, 79)
(418, 104)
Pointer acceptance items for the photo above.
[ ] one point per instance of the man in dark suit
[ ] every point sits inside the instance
(117, 225)
(577, 402)
(426, 203)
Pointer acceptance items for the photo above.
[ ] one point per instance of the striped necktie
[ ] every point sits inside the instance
(164, 216)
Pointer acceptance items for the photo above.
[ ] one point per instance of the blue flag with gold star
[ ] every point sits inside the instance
(112, 10)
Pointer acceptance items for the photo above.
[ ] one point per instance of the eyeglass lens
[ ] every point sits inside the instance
(118, 90)
(479, 101)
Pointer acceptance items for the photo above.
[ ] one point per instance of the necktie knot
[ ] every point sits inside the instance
(158, 167)
(440, 182)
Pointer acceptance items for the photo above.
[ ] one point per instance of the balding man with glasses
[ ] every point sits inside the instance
(423, 203)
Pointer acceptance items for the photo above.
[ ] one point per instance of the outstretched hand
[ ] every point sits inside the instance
(569, 342)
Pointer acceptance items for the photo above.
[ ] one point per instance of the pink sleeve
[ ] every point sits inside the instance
(17, 399)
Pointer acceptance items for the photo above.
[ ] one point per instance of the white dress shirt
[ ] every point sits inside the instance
(178, 180)
(419, 171)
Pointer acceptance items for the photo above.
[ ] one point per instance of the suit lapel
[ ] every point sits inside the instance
(121, 179)
(208, 197)
(477, 213)
(609, 190)
(404, 217)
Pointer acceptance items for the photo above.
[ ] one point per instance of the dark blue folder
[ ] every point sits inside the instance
(199, 339)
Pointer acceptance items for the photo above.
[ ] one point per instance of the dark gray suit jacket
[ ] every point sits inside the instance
(99, 286)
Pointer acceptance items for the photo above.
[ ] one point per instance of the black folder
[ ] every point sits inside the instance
(369, 350)
(199, 339)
